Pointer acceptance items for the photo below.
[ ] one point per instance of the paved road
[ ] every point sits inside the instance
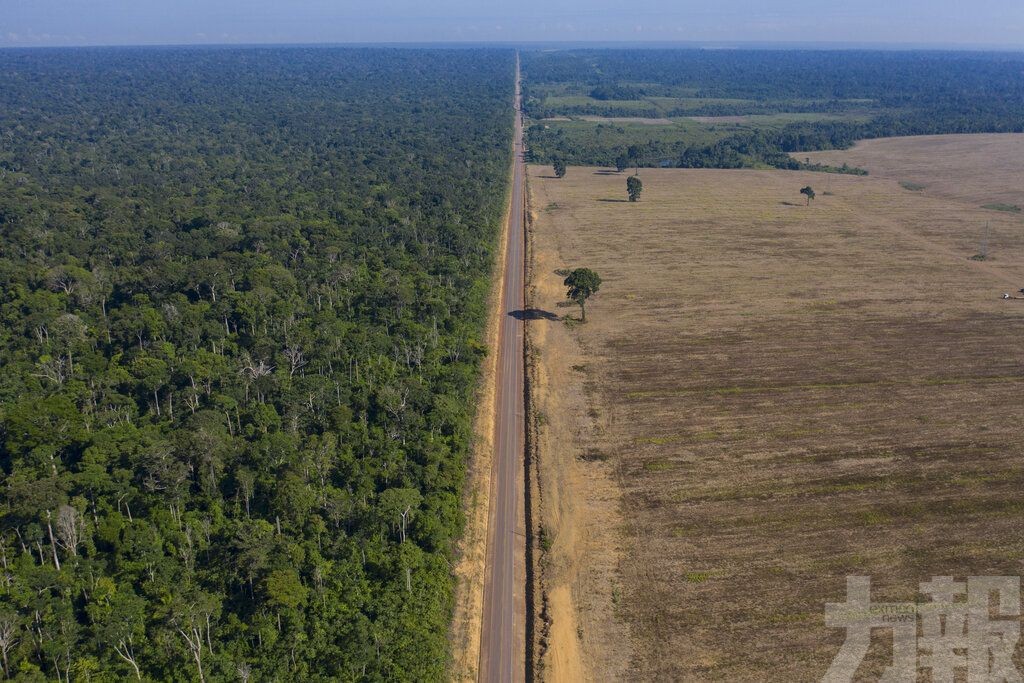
(502, 642)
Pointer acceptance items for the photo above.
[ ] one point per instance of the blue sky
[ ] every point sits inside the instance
(133, 22)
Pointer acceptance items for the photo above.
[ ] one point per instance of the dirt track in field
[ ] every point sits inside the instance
(767, 398)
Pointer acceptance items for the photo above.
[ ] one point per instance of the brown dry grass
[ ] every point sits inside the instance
(577, 507)
(719, 119)
(977, 169)
(783, 395)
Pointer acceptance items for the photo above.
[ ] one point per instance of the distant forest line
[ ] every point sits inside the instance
(856, 94)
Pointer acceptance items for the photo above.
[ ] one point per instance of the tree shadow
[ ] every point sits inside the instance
(614, 201)
(549, 177)
(790, 204)
(534, 314)
(604, 172)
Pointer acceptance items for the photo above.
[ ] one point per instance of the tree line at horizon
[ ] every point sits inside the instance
(242, 293)
(877, 94)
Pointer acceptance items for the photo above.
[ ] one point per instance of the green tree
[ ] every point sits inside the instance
(119, 618)
(285, 591)
(398, 507)
(634, 186)
(583, 283)
(808, 192)
(621, 163)
(559, 166)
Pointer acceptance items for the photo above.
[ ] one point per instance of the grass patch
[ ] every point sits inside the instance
(913, 187)
(1009, 208)
(659, 440)
(544, 537)
(875, 517)
(705, 435)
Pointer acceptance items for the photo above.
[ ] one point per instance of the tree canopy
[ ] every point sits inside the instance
(582, 284)
(242, 294)
(790, 100)
(634, 186)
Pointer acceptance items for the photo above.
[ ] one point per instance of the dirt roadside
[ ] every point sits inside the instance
(577, 502)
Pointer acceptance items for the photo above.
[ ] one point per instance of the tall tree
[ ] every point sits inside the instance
(634, 186)
(559, 167)
(583, 283)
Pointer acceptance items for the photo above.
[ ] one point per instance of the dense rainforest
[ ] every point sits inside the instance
(855, 95)
(241, 293)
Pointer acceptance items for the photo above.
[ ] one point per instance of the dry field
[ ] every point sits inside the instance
(976, 169)
(768, 397)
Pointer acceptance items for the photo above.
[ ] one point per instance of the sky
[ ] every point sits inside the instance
(975, 23)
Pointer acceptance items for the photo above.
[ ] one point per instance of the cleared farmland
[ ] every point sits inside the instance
(768, 397)
(976, 169)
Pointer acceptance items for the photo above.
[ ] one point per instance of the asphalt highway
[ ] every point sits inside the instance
(502, 642)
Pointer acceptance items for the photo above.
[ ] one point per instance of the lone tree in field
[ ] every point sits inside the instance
(809, 192)
(621, 163)
(634, 186)
(559, 166)
(583, 283)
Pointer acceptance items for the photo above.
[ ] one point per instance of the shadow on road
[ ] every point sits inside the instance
(534, 314)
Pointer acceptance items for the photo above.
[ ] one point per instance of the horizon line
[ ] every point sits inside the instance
(882, 46)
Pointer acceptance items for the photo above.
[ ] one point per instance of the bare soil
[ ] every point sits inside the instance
(766, 398)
